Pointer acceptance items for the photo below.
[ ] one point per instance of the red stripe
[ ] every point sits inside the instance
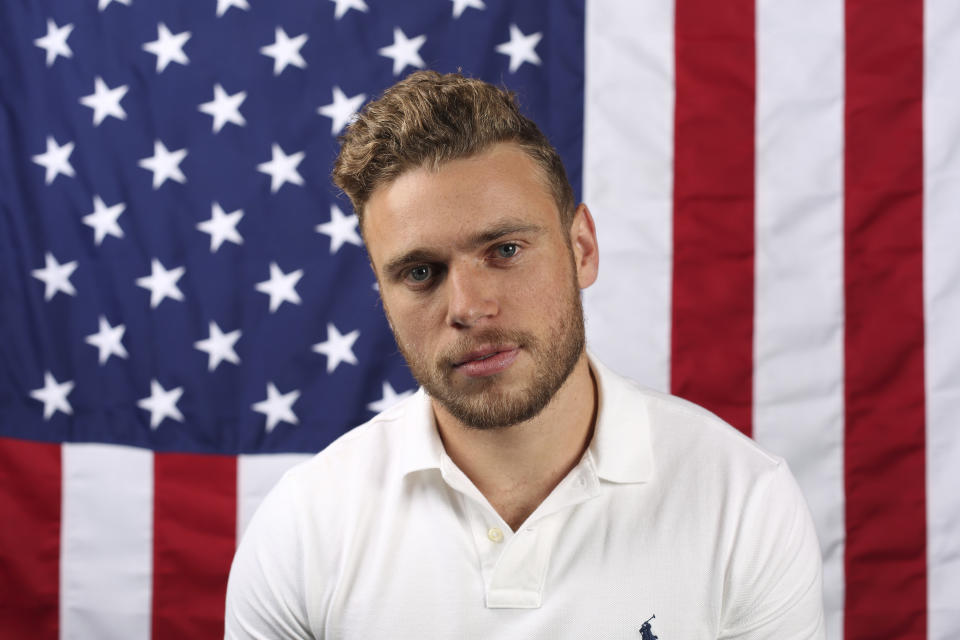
(886, 582)
(713, 221)
(29, 539)
(194, 532)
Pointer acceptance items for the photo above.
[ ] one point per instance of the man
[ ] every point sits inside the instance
(525, 491)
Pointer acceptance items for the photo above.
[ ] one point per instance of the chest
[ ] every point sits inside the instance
(599, 568)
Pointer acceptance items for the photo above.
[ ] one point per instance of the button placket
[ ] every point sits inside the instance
(514, 565)
(517, 579)
(484, 525)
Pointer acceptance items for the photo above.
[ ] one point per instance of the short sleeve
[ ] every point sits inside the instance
(773, 585)
(265, 591)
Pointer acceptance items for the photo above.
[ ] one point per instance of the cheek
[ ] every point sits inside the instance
(410, 323)
(543, 286)
(410, 335)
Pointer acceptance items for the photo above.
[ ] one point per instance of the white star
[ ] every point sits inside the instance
(278, 407)
(223, 5)
(459, 6)
(55, 159)
(105, 101)
(345, 5)
(520, 48)
(282, 168)
(281, 287)
(162, 404)
(53, 395)
(164, 164)
(285, 50)
(168, 47)
(56, 277)
(341, 229)
(404, 51)
(342, 109)
(162, 283)
(107, 340)
(219, 346)
(224, 108)
(390, 398)
(55, 42)
(105, 3)
(222, 227)
(337, 347)
(104, 220)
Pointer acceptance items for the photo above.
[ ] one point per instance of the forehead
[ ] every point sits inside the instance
(463, 197)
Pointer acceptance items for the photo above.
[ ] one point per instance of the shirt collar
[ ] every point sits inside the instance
(420, 444)
(621, 447)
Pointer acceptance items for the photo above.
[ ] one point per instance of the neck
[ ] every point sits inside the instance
(517, 467)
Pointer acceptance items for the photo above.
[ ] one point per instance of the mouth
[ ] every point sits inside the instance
(486, 361)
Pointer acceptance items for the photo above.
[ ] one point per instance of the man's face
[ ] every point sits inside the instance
(481, 283)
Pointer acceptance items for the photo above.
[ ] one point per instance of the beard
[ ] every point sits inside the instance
(482, 403)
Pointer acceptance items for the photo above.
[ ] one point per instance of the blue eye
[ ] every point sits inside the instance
(420, 273)
(507, 250)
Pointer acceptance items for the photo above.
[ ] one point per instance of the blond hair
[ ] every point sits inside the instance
(427, 119)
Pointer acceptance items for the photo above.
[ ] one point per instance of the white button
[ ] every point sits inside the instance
(495, 534)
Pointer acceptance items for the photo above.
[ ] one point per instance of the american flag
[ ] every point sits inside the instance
(187, 309)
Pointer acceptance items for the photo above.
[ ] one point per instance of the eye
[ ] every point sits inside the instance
(507, 250)
(420, 273)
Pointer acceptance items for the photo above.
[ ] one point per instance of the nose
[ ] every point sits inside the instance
(472, 296)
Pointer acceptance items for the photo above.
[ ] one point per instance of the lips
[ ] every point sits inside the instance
(486, 361)
(481, 354)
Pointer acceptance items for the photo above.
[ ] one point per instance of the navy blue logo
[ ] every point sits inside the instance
(646, 632)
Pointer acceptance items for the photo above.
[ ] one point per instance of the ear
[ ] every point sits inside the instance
(583, 241)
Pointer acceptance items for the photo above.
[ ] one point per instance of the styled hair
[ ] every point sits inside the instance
(427, 119)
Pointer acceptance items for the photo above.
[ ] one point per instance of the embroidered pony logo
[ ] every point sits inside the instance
(646, 632)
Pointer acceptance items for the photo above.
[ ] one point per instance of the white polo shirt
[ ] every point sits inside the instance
(670, 513)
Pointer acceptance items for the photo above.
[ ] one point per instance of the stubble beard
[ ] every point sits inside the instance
(482, 403)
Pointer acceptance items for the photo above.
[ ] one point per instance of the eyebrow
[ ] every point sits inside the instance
(506, 229)
(479, 239)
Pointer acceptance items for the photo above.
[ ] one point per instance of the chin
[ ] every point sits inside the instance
(493, 409)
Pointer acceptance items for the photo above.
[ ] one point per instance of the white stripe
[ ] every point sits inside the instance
(941, 106)
(798, 375)
(256, 475)
(106, 542)
(628, 184)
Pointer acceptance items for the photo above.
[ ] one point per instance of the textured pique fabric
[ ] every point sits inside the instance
(670, 513)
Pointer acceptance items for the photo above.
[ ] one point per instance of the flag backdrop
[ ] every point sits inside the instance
(186, 310)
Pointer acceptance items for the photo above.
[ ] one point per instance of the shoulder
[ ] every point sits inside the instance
(679, 433)
(714, 484)
(682, 426)
(369, 456)
(360, 458)
(689, 456)
(279, 580)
